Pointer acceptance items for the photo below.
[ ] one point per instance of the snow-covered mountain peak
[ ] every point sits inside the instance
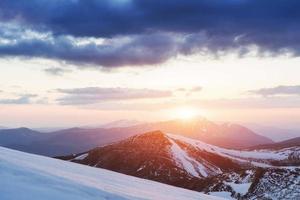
(195, 165)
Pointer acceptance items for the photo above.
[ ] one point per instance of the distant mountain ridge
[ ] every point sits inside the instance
(224, 135)
(19, 136)
(275, 133)
(121, 124)
(279, 145)
(76, 140)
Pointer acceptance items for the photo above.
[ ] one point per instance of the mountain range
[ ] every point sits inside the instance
(195, 165)
(76, 140)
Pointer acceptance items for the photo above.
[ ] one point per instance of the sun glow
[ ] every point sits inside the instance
(186, 113)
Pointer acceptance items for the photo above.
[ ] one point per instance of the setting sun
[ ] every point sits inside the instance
(186, 113)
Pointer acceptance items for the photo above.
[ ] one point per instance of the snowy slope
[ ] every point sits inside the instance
(260, 158)
(182, 148)
(277, 178)
(26, 177)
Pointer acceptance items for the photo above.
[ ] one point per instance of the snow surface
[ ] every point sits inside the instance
(26, 177)
(256, 157)
(223, 194)
(241, 188)
(81, 157)
(187, 162)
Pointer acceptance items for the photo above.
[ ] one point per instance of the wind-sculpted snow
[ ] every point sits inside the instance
(28, 177)
(191, 165)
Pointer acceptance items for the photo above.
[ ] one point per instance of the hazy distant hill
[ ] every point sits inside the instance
(275, 133)
(121, 123)
(20, 136)
(279, 145)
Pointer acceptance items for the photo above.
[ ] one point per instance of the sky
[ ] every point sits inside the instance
(75, 62)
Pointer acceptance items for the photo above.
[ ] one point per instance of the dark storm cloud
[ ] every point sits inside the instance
(107, 18)
(279, 90)
(185, 27)
(137, 50)
(92, 95)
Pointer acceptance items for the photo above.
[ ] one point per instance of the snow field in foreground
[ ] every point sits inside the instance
(25, 177)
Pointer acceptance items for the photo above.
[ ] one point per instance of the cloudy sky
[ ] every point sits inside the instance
(77, 62)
